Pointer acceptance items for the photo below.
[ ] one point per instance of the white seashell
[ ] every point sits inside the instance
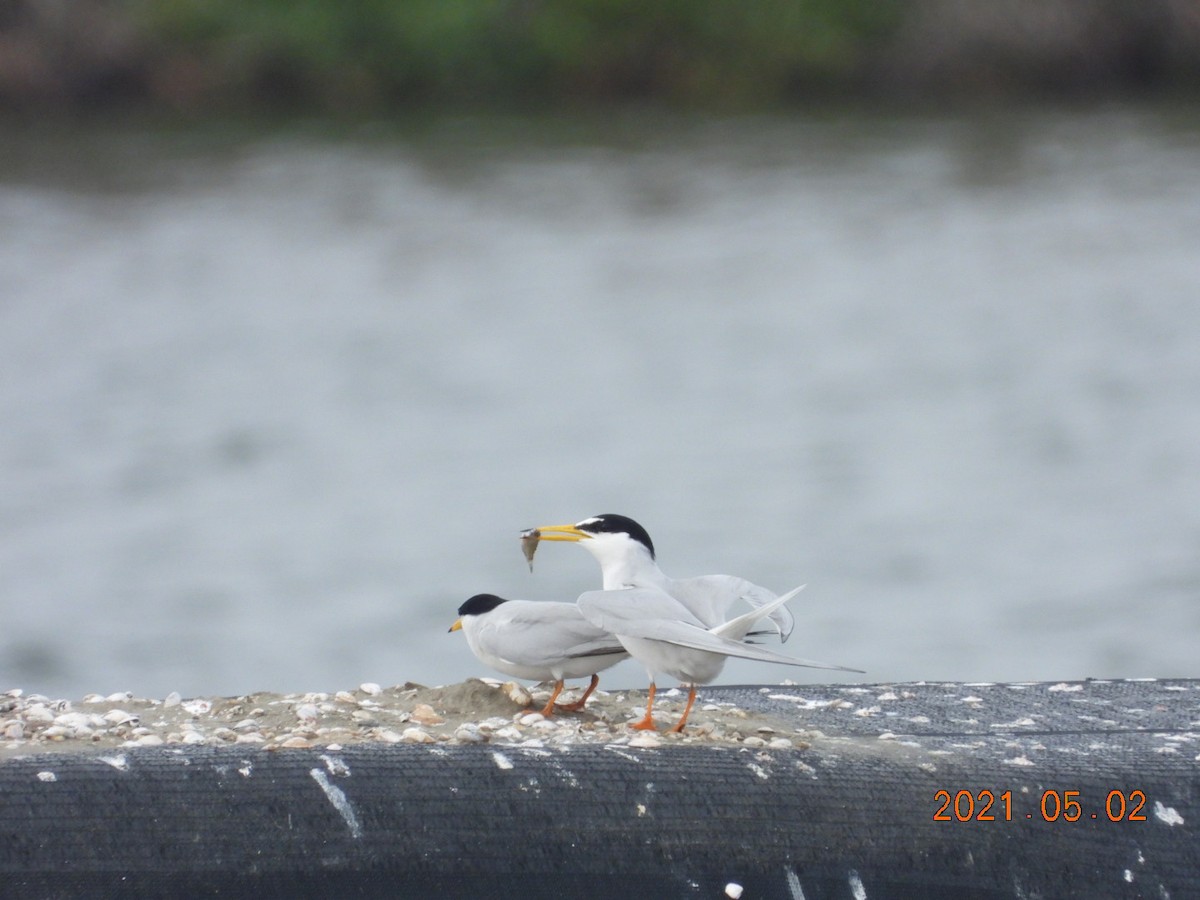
(172, 699)
(517, 693)
(149, 740)
(370, 687)
(47, 776)
(120, 717)
(645, 739)
(469, 734)
(754, 742)
(76, 721)
(307, 711)
(391, 737)
(38, 714)
(253, 737)
(781, 743)
(416, 736)
(196, 707)
(193, 737)
(530, 719)
(295, 741)
(14, 731)
(344, 697)
(733, 890)
(58, 733)
(120, 697)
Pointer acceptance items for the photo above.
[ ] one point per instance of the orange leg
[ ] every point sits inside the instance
(578, 704)
(548, 711)
(687, 709)
(647, 724)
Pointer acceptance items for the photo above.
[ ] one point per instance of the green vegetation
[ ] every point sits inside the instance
(383, 54)
(368, 51)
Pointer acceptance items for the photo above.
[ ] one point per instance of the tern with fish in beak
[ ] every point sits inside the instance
(627, 560)
(673, 626)
(538, 640)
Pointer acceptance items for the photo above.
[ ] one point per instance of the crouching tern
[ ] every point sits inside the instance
(667, 638)
(538, 640)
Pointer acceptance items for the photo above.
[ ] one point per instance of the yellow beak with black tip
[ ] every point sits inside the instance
(457, 626)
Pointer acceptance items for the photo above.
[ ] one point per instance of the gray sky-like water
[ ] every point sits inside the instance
(272, 404)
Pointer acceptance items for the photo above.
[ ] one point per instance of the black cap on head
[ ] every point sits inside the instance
(480, 604)
(615, 523)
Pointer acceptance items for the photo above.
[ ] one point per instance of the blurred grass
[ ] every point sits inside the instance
(333, 55)
(372, 51)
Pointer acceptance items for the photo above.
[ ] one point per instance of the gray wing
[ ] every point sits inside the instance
(647, 613)
(738, 627)
(711, 596)
(624, 611)
(544, 634)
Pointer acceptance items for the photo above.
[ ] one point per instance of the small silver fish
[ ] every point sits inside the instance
(529, 544)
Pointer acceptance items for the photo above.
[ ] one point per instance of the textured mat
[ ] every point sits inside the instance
(1085, 789)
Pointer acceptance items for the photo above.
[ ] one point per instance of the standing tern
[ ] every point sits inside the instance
(626, 556)
(668, 638)
(538, 640)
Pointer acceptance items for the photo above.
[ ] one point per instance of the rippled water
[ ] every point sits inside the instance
(273, 403)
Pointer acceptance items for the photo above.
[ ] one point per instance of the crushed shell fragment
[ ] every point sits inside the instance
(407, 714)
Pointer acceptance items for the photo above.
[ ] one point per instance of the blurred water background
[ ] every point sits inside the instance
(275, 400)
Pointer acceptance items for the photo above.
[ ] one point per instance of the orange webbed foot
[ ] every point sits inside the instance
(548, 709)
(578, 705)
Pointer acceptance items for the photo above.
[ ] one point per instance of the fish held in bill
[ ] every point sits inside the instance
(529, 544)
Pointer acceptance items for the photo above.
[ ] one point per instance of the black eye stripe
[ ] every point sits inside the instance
(615, 523)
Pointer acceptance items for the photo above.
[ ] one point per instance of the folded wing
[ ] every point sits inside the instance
(652, 614)
(544, 634)
(711, 596)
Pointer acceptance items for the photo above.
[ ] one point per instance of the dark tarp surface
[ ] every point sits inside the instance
(851, 816)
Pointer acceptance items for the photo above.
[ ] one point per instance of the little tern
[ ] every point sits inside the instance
(668, 638)
(626, 556)
(538, 640)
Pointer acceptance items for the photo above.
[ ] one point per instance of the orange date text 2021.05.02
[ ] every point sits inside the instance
(1053, 806)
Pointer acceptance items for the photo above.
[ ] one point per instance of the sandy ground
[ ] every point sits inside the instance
(475, 711)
